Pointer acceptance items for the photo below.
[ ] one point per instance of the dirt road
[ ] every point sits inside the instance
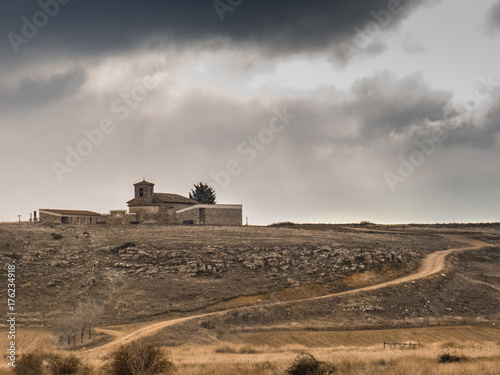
(432, 264)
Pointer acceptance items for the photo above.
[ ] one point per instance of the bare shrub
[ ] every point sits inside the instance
(138, 358)
(451, 358)
(69, 326)
(30, 364)
(87, 313)
(59, 365)
(306, 364)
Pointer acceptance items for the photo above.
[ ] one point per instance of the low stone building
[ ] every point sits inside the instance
(50, 216)
(115, 217)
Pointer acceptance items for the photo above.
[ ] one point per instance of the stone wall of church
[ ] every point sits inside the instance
(146, 214)
(223, 216)
(188, 217)
(212, 215)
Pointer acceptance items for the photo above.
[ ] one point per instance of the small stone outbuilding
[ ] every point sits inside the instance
(51, 216)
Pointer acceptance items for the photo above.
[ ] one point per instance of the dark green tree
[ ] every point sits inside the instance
(203, 193)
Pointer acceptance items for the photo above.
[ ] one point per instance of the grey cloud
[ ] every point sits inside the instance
(384, 106)
(483, 133)
(493, 20)
(379, 107)
(31, 93)
(277, 27)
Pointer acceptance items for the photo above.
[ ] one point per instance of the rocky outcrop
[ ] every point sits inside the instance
(300, 262)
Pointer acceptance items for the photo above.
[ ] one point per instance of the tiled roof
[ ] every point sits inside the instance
(165, 198)
(172, 198)
(70, 212)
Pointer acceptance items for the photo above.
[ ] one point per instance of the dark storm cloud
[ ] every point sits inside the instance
(31, 93)
(278, 27)
(494, 17)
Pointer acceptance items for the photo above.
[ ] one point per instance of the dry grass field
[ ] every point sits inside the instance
(352, 353)
(249, 300)
(349, 361)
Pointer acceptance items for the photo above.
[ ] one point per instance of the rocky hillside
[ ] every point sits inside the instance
(137, 272)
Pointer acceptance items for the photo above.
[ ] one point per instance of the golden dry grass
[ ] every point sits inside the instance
(348, 360)
(353, 353)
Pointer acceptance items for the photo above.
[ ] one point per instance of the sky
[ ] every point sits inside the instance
(319, 111)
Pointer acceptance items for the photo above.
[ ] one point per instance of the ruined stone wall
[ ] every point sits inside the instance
(118, 217)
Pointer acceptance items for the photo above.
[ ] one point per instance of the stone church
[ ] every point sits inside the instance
(167, 208)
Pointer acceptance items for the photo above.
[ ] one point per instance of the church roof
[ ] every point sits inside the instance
(165, 198)
(172, 198)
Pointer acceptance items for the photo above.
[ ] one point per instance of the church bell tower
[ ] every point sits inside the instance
(144, 191)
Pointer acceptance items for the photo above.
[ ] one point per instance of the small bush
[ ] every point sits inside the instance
(226, 349)
(56, 236)
(126, 245)
(365, 222)
(306, 364)
(64, 365)
(282, 224)
(138, 358)
(207, 325)
(30, 364)
(451, 358)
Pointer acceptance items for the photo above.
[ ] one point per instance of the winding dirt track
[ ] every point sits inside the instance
(432, 264)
